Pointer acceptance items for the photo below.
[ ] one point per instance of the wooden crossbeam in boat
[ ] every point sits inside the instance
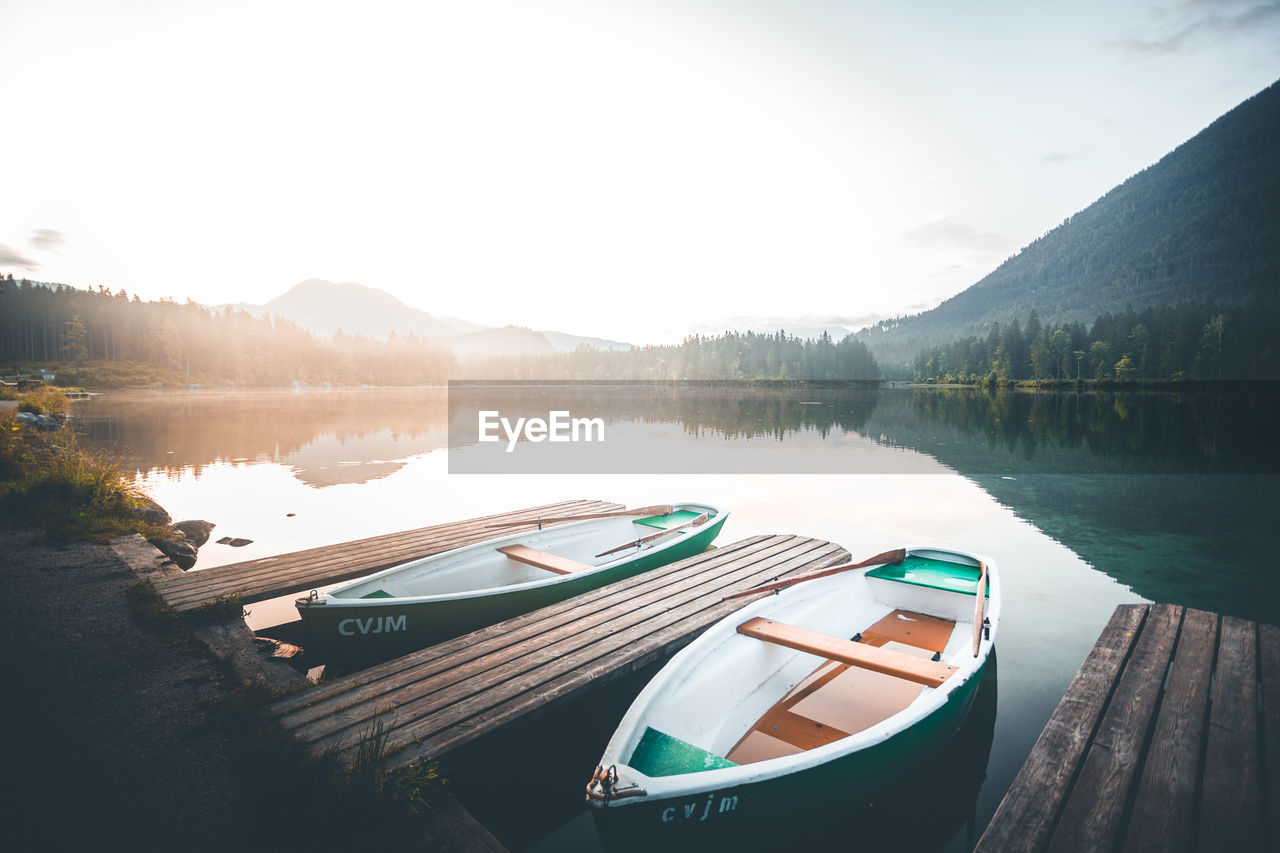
(926, 672)
(544, 559)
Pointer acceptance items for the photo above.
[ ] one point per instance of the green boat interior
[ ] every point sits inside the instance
(933, 573)
(660, 754)
(666, 522)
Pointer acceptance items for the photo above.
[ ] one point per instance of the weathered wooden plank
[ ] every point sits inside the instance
(919, 670)
(424, 708)
(1269, 658)
(353, 707)
(1164, 808)
(1091, 818)
(1231, 798)
(326, 560)
(486, 640)
(1028, 812)
(373, 552)
(269, 577)
(545, 560)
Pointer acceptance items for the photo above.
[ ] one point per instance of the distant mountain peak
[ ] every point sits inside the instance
(325, 307)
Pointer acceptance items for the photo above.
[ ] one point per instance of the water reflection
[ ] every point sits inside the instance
(326, 437)
(321, 433)
(1170, 493)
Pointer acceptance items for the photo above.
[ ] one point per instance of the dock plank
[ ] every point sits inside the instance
(435, 700)
(1092, 816)
(1269, 660)
(1231, 802)
(1027, 814)
(1165, 806)
(270, 577)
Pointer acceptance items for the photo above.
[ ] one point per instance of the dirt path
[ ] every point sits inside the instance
(109, 745)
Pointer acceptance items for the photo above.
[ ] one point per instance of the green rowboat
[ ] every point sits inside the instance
(800, 703)
(426, 601)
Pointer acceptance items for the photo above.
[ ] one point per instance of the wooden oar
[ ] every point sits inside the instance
(636, 543)
(978, 608)
(895, 557)
(657, 509)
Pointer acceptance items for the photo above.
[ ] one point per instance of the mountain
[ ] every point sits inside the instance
(563, 342)
(324, 307)
(506, 341)
(1202, 224)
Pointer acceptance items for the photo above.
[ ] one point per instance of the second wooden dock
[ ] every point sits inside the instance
(428, 703)
(1167, 739)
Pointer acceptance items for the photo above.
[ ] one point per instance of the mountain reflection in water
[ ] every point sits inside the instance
(325, 437)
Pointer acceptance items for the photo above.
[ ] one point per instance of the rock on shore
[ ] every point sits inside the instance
(195, 531)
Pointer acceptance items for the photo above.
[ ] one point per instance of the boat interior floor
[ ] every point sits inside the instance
(837, 699)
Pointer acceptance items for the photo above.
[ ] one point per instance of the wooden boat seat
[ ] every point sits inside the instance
(544, 559)
(898, 664)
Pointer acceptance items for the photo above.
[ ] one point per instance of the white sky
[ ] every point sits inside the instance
(632, 169)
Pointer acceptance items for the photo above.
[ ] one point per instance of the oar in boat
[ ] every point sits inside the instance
(657, 509)
(978, 607)
(888, 557)
(636, 543)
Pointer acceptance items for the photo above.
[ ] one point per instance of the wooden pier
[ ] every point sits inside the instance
(270, 577)
(1167, 739)
(434, 700)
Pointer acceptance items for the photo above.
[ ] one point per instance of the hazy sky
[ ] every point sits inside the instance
(634, 169)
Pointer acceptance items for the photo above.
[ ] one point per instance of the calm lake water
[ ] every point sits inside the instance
(1083, 500)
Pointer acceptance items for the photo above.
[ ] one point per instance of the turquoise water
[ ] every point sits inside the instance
(1082, 501)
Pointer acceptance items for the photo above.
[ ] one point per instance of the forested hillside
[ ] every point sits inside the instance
(1201, 225)
(731, 356)
(105, 338)
(1190, 341)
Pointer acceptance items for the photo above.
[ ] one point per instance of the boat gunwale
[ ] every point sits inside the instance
(332, 601)
(932, 700)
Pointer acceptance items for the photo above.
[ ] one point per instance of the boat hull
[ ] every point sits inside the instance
(754, 810)
(351, 634)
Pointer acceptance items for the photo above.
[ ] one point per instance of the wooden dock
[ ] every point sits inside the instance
(1167, 739)
(432, 701)
(270, 577)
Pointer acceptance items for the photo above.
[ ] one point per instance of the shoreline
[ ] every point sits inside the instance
(156, 740)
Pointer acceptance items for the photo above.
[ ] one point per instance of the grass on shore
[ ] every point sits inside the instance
(49, 483)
